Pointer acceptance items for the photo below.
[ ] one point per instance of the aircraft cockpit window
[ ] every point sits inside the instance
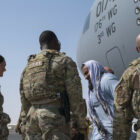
(86, 26)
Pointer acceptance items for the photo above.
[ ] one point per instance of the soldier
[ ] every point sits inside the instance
(4, 118)
(127, 101)
(51, 93)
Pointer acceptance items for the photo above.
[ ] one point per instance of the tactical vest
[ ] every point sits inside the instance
(44, 76)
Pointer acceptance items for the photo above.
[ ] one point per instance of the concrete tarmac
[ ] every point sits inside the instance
(14, 136)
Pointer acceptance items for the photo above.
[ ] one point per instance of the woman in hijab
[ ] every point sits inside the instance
(4, 118)
(100, 99)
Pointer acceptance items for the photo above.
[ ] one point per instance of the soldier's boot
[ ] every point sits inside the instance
(138, 135)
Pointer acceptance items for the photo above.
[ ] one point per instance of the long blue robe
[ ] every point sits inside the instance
(108, 83)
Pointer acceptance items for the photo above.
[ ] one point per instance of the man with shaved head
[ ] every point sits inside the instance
(127, 100)
(138, 43)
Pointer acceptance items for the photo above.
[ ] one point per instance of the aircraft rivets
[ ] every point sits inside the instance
(138, 21)
(136, 1)
(137, 10)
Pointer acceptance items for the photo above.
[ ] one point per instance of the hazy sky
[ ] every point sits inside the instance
(21, 23)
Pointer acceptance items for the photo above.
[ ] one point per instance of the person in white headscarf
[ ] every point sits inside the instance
(100, 99)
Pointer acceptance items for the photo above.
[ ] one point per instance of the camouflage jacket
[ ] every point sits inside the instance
(127, 101)
(1, 103)
(4, 118)
(61, 75)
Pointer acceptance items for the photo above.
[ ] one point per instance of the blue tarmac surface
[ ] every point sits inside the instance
(14, 136)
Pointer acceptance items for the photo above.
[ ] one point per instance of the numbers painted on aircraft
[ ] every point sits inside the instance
(98, 25)
(113, 24)
(112, 12)
(109, 31)
(102, 6)
(100, 36)
(105, 12)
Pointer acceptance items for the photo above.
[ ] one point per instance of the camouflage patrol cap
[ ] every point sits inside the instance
(46, 37)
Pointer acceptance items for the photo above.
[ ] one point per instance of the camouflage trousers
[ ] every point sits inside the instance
(22, 129)
(4, 132)
(138, 135)
(4, 138)
(44, 122)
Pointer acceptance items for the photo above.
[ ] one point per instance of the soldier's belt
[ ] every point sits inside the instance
(45, 103)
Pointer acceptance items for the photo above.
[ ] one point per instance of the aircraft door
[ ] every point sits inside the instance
(115, 61)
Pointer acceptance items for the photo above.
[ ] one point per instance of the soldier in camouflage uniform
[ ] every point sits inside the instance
(4, 118)
(46, 76)
(127, 101)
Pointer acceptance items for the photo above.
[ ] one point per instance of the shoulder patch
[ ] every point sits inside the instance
(31, 56)
(119, 90)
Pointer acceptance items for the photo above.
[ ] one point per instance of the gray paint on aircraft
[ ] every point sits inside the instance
(110, 23)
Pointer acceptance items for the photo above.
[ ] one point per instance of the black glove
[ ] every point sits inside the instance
(75, 132)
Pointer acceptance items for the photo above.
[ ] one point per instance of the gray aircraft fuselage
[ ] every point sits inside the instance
(109, 34)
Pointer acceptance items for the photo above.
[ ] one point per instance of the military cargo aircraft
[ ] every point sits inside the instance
(109, 34)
